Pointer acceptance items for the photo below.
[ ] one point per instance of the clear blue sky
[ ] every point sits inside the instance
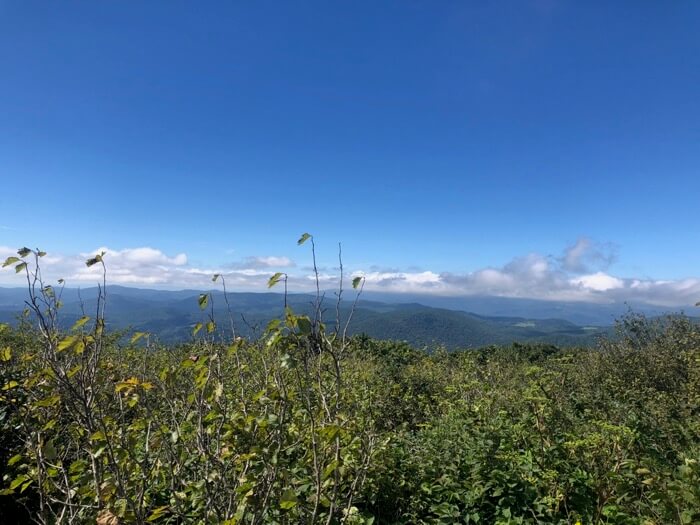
(448, 136)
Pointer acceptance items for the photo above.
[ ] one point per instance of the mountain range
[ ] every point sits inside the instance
(419, 320)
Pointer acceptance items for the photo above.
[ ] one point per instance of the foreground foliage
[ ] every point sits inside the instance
(305, 425)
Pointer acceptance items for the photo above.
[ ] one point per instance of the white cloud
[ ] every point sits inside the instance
(322, 277)
(270, 261)
(149, 267)
(599, 282)
(536, 276)
(428, 282)
(585, 256)
(144, 266)
(6, 251)
(530, 276)
(139, 257)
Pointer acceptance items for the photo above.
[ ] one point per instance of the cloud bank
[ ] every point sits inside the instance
(580, 273)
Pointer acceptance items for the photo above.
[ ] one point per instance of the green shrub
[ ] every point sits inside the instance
(306, 426)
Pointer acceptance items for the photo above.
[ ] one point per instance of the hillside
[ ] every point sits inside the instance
(170, 315)
(303, 427)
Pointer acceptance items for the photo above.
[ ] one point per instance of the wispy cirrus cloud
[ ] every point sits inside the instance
(586, 255)
(269, 261)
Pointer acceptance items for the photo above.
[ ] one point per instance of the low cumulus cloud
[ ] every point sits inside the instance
(146, 266)
(580, 273)
(130, 266)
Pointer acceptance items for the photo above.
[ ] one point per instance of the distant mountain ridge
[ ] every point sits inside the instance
(578, 312)
(170, 315)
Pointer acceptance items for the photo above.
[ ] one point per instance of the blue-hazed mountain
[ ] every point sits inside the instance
(170, 316)
(578, 312)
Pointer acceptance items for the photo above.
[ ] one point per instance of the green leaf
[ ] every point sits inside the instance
(5, 354)
(356, 282)
(9, 261)
(203, 300)
(157, 513)
(288, 499)
(18, 481)
(120, 507)
(48, 401)
(274, 279)
(23, 252)
(79, 347)
(127, 384)
(330, 432)
(80, 322)
(211, 326)
(303, 239)
(20, 267)
(273, 325)
(93, 260)
(330, 469)
(215, 277)
(67, 342)
(14, 459)
(40, 253)
(50, 450)
(136, 337)
(304, 325)
(196, 329)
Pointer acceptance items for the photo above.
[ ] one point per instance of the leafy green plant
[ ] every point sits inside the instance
(307, 425)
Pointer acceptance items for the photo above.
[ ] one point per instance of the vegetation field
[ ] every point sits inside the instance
(307, 424)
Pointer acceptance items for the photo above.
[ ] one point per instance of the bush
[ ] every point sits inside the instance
(306, 426)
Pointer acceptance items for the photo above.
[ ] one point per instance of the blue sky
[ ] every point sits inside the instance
(442, 137)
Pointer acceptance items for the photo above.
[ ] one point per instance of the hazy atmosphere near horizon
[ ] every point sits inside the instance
(541, 149)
